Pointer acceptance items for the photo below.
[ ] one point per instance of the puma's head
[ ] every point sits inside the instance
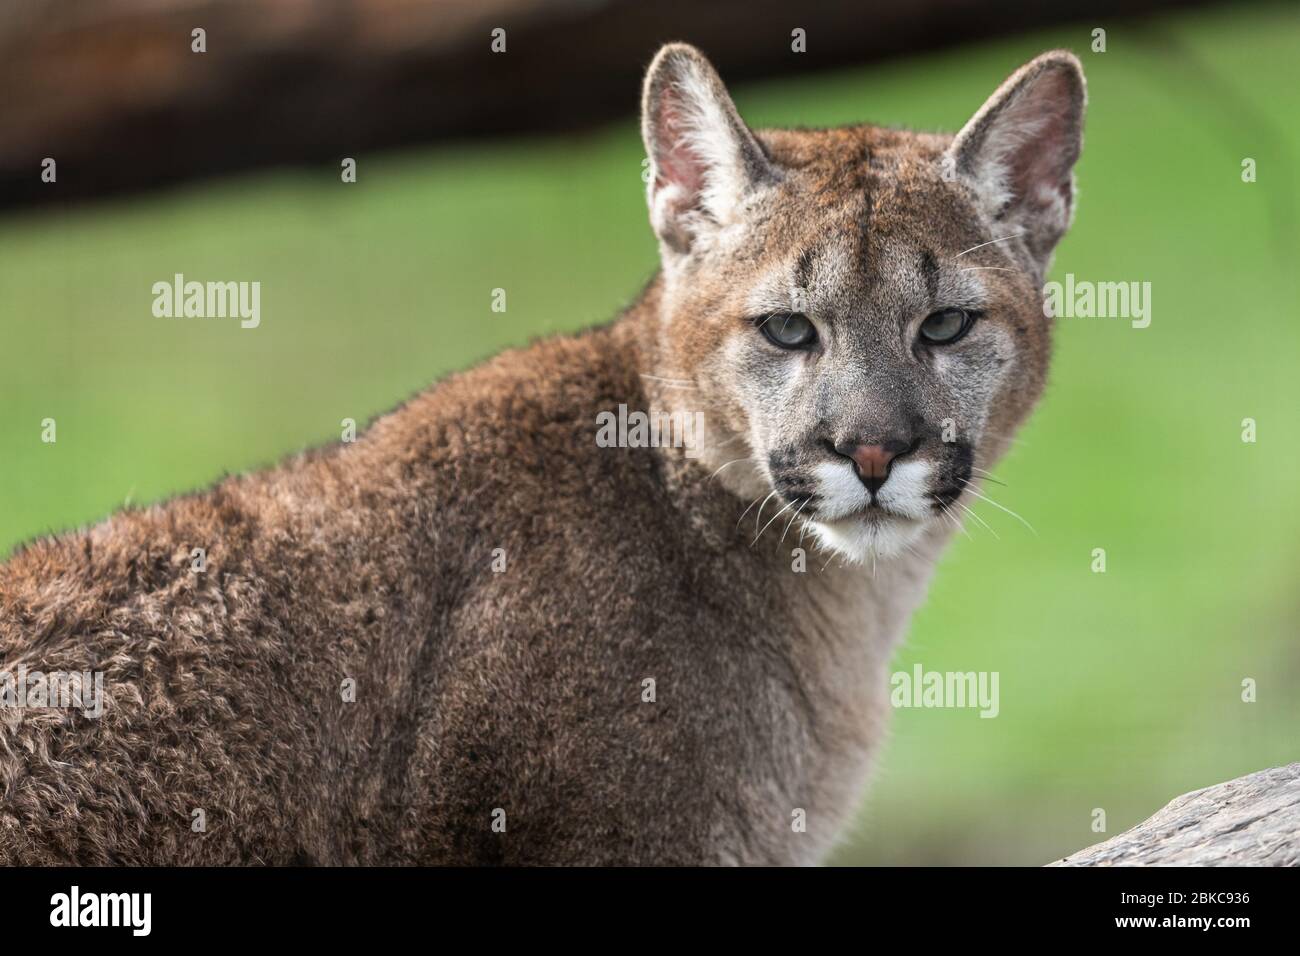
(857, 311)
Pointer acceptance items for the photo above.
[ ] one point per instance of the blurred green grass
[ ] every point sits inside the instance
(1118, 690)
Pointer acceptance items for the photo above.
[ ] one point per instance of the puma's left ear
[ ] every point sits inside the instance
(1018, 152)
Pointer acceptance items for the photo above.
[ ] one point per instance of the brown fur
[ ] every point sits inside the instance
(519, 690)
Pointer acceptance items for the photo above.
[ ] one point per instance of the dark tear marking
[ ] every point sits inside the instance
(864, 229)
(865, 166)
(930, 271)
(803, 269)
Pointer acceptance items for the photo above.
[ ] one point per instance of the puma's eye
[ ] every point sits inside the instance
(946, 326)
(789, 330)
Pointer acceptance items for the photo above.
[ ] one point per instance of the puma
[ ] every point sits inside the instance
(478, 635)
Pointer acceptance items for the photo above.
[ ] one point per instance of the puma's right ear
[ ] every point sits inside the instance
(1018, 152)
(703, 158)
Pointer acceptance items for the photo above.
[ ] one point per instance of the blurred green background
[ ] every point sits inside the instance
(1118, 690)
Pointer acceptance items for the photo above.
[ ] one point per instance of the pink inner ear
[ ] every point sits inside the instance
(1044, 122)
(675, 163)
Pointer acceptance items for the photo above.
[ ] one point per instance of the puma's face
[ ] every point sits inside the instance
(857, 310)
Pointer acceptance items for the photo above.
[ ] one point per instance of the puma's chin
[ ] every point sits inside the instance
(868, 535)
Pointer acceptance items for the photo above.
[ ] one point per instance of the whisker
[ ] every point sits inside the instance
(1000, 507)
(962, 525)
(910, 549)
(943, 511)
(956, 523)
(745, 512)
(987, 269)
(760, 511)
(985, 476)
(671, 382)
(967, 508)
(989, 243)
(769, 523)
(792, 517)
(732, 462)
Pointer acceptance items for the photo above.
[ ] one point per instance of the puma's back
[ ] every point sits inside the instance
(486, 633)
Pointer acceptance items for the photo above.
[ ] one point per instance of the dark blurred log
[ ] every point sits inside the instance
(111, 90)
(1251, 821)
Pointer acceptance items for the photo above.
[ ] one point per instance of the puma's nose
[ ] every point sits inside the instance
(872, 461)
